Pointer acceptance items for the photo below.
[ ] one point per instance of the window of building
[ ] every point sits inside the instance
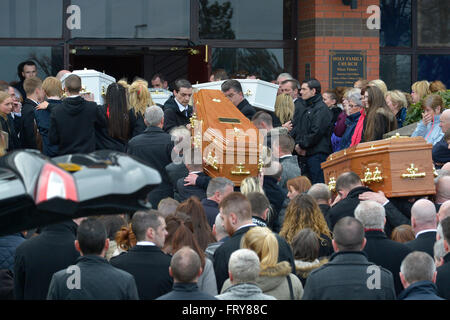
(434, 67)
(433, 23)
(395, 23)
(395, 70)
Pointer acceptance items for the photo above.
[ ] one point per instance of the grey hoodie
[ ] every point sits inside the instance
(244, 291)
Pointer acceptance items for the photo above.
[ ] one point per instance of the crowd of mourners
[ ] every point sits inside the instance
(281, 235)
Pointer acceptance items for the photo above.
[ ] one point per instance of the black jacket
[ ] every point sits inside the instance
(8, 125)
(43, 123)
(154, 147)
(246, 109)
(347, 206)
(28, 129)
(276, 196)
(443, 278)
(345, 277)
(223, 253)
(386, 253)
(72, 125)
(8, 245)
(313, 126)
(39, 257)
(211, 210)
(424, 242)
(186, 291)
(150, 268)
(98, 281)
(185, 192)
(173, 117)
(103, 141)
(420, 290)
(137, 124)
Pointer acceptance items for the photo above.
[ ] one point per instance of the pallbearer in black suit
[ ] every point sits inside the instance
(423, 222)
(177, 110)
(232, 89)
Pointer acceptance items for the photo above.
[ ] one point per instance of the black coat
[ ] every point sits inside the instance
(8, 245)
(186, 291)
(43, 123)
(28, 129)
(346, 208)
(8, 125)
(345, 277)
(211, 210)
(173, 117)
(386, 253)
(223, 253)
(39, 257)
(103, 141)
(313, 127)
(137, 124)
(443, 278)
(154, 147)
(72, 125)
(185, 192)
(6, 284)
(276, 196)
(246, 109)
(98, 281)
(420, 290)
(150, 268)
(424, 242)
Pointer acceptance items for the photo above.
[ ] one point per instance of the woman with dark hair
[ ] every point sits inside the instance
(117, 133)
(202, 231)
(379, 118)
(304, 212)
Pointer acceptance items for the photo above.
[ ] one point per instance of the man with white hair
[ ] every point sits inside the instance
(154, 146)
(418, 276)
(379, 248)
(423, 222)
(243, 269)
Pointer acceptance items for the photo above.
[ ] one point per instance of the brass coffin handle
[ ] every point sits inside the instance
(332, 184)
(370, 176)
(212, 161)
(413, 173)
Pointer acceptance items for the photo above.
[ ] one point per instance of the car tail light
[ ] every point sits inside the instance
(55, 183)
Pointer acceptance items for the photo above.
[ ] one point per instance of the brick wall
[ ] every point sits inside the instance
(325, 25)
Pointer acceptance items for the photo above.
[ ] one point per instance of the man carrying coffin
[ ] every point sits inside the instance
(232, 89)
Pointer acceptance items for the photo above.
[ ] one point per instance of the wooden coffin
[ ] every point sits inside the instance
(228, 140)
(398, 166)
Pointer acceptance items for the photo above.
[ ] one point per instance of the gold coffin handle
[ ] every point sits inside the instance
(413, 173)
(240, 171)
(370, 176)
(332, 184)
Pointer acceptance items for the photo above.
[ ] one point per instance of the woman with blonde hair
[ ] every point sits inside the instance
(251, 184)
(139, 99)
(397, 102)
(420, 90)
(284, 107)
(7, 122)
(304, 212)
(275, 278)
(428, 127)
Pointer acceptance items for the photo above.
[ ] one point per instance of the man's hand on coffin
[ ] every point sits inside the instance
(288, 125)
(190, 179)
(375, 196)
(42, 105)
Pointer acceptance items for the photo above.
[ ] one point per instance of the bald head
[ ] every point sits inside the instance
(446, 166)
(444, 121)
(443, 189)
(444, 211)
(423, 215)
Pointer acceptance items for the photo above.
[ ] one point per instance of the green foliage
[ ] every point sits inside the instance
(415, 110)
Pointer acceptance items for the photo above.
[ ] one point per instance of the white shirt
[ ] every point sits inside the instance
(423, 231)
(181, 107)
(145, 243)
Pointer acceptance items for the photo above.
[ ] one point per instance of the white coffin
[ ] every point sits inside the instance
(260, 94)
(93, 82)
(160, 96)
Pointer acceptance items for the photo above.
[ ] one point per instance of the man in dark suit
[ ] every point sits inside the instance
(236, 213)
(177, 110)
(351, 191)
(232, 89)
(218, 188)
(349, 275)
(25, 70)
(423, 222)
(379, 249)
(72, 123)
(92, 277)
(28, 129)
(443, 272)
(146, 261)
(39, 257)
(185, 268)
(274, 193)
(283, 149)
(154, 147)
